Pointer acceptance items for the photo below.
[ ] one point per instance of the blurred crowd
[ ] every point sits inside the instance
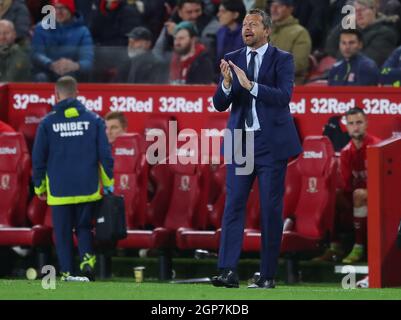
(183, 41)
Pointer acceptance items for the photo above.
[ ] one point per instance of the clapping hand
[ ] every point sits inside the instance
(242, 77)
(226, 73)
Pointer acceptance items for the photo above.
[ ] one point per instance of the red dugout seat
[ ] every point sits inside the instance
(204, 232)
(14, 184)
(314, 212)
(27, 125)
(130, 176)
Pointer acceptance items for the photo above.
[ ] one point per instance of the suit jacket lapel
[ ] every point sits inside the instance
(242, 60)
(266, 63)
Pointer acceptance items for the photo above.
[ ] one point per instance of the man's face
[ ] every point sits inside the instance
(190, 12)
(114, 129)
(254, 33)
(356, 126)
(226, 17)
(7, 34)
(349, 45)
(137, 46)
(63, 15)
(365, 16)
(280, 12)
(183, 42)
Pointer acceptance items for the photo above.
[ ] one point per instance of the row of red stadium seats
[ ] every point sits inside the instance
(176, 205)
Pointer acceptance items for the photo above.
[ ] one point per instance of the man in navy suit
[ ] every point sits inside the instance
(257, 81)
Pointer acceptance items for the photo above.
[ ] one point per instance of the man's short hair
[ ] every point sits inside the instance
(354, 111)
(187, 25)
(67, 86)
(180, 3)
(235, 6)
(266, 19)
(352, 31)
(116, 115)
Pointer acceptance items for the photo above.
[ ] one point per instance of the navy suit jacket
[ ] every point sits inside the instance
(275, 81)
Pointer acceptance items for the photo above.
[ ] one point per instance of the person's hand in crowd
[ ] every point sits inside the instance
(242, 77)
(170, 25)
(64, 66)
(226, 73)
(56, 68)
(68, 66)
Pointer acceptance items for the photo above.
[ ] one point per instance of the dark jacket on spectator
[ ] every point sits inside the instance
(207, 28)
(391, 72)
(15, 65)
(358, 71)
(110, 28)
(144, 68)
(197, 69)
(379, 40)
(313, 15)
(71, 41)
(19, 14)
(228, 41)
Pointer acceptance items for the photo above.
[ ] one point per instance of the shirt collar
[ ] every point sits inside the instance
(261, 51)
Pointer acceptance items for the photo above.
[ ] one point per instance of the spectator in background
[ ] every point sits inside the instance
(290, 36)
(14, 61)
(35, 9)
(4, 127)
(353, 168)
(313, 15)
(116, 125)
(66, 50)
(379, 36)
(255, 4)
(141, 65)
(192, 11)
(17, 12)
(111, 22)
(85, 9)
(154, 15)
(354, 69)
(391, 72)
(190, 63)
(229, 36)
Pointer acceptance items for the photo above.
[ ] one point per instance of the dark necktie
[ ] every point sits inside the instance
(251, 72)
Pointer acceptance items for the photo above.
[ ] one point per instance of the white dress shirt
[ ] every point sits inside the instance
(258, 62)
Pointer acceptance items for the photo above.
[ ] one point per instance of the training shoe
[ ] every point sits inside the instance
(356, 255)
(87, 266)
(364, 283)
(333, 253)
(65, 276)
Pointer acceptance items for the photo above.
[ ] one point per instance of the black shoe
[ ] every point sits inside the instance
(263, 284)
(228, 279)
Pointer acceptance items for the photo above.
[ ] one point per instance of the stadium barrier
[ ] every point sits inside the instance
(192, 105)
(384, 207)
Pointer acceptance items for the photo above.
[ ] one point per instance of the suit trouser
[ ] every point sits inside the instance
(271, 179)
(65, 219)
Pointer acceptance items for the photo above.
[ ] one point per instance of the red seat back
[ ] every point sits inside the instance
(215, 171)
(189, 195)
(252, 220)
(28, 124)
(292, 189)
(130, 176)
(157, 125)
(314, 212)
(37, 211)
(15, 170)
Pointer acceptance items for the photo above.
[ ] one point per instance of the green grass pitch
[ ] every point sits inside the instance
(127, 289)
